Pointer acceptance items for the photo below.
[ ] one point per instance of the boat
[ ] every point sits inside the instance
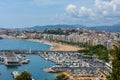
(48, 70)
(25, 61)
(23, 55)
(33, 79)
(15, 74)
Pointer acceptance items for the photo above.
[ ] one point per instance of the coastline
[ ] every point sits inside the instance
(57, 46)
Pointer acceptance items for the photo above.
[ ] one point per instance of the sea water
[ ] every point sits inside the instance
(36, 64)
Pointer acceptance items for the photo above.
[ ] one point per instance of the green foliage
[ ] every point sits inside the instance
(62, 77)
(115, 75)
(98, 50)
(24, 76)
(58, 31)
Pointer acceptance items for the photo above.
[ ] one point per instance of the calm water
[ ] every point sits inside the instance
(22, 45)
(36, 65)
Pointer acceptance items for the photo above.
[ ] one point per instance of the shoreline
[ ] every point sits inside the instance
(56, 46)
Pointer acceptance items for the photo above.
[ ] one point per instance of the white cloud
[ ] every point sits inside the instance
(85, 12)
(71, 9)
(101, 10)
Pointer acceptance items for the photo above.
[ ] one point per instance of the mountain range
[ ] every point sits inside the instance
(112, 28)
(50, 27)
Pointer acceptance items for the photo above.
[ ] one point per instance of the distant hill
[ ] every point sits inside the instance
(41, 28)
(113, 28)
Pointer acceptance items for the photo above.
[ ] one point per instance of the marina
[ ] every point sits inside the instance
(59, 39)
(35, 67)
(74, 64)
(77, 65)
(44, 62)
(14, 49)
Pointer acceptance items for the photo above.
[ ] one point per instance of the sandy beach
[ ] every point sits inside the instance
(57, 46)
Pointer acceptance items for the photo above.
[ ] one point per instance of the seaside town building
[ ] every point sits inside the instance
(90, 37)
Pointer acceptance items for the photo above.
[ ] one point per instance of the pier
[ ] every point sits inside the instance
(33, 51)
(9, 58)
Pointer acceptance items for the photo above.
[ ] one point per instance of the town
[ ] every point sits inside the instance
(78, 36)
(76, 64)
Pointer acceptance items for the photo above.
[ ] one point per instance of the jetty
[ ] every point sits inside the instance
(16, 57)
(34, 51)
(10, 58)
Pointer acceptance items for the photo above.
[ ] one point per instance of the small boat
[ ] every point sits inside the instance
(25, 61)
(48, 70)
(23, 55)
(33, 79)
(15, 74)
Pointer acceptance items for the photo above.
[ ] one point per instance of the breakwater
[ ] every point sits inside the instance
(33, 51)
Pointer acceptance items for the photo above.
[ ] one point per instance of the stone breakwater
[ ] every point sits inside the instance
(34, 51)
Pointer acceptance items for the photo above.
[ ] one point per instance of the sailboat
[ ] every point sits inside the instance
(30, 50)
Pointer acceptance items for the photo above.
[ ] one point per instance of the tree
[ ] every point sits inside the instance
(115, 75)
(62, 77)
(99, 50)
(24, 76)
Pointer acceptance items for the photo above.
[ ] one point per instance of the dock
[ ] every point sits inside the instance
(10, 58)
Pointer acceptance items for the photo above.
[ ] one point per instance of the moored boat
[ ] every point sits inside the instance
(48, 70)
(15, 74)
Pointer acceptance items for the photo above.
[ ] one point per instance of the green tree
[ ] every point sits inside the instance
(24, 76)
(115, 75)
(99, 50)
(62, 77)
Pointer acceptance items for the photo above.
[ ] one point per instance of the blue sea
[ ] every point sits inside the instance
(22, 45)
(36, 65)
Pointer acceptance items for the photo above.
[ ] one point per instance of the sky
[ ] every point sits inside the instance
(29, 13)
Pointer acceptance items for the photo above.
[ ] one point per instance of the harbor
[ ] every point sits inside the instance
(77, 65)
(35, 67)
(44, 63)
(20, 49)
